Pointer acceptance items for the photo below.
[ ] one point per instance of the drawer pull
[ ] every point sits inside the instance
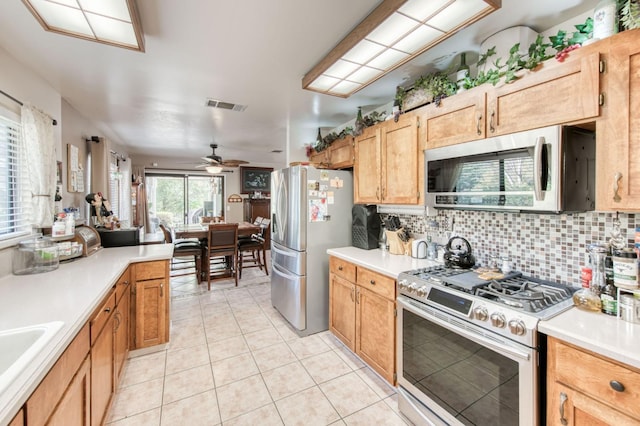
(563, 400)
(107, 310)
(372, 282)
(616, 386)
(616, 187)
(339, 268)
(491, 126)
(478, 125)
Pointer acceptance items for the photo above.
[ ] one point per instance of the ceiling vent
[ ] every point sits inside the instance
(225, 105)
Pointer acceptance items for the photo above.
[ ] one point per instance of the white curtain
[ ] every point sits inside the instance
(124, 167)
(39, 145)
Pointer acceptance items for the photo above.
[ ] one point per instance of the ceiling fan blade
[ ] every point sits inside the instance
(233, 163)
(210, 160)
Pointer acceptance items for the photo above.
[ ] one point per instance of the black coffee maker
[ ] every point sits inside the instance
(365, 226)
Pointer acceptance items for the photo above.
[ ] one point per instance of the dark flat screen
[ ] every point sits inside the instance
(451, 301)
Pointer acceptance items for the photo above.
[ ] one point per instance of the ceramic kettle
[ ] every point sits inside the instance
(457, 254)
(419, 249)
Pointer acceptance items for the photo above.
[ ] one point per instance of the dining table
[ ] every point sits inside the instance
(201, 232)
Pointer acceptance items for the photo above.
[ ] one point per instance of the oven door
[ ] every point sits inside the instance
(451, 372)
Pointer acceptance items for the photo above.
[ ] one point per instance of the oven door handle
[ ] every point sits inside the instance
(482, 340)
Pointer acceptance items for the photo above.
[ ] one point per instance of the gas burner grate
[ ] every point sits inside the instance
(524, 294)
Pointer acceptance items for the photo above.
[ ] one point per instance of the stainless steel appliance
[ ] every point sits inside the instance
(310, 213)
(468, 349)
(551, 169)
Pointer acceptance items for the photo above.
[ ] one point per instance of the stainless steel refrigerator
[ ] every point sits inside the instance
(310, 213)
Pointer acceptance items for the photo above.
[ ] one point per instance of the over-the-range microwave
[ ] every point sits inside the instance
(551, 169)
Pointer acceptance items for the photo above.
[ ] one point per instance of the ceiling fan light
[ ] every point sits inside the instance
(213, 169)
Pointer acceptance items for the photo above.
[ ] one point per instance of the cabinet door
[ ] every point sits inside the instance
(375, 332)
(320, 159)
(558, 93)
(568, 407)
(366, 168)
(400, 161)
(151, 313)
(342, 310)
(121, 343)
(18, 419)
(102, 386)
(460, 118)
(341, 155)
(618, 132)
(73, 408)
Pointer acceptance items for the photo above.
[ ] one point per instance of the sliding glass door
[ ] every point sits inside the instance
(181, 198)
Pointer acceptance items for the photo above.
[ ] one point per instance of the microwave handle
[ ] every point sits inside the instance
(538, 165)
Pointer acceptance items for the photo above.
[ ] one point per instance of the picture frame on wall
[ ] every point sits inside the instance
(255, 179)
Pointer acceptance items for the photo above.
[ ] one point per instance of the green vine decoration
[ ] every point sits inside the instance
(630, 14)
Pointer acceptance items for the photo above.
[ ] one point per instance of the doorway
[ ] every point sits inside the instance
(175, 198)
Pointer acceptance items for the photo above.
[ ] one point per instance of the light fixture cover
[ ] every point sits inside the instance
(213, 169)
(393, 34)
(113, 22)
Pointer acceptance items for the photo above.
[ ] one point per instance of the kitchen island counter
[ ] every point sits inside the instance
(69, 294)
(599, 333)
(380, 261)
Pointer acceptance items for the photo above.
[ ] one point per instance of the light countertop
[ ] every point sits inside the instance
(380, 261)
(603, 334)
(68, 294)
(599, 333)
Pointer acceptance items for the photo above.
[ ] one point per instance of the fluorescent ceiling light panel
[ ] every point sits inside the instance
(420, 10)
(113, 22)
(364, 74)
(387, 59)
(341, 69)
(363, 52)
(392, 29)
(394, 33)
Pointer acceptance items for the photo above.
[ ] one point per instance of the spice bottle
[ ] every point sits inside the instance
(585, 298)
(609, 294)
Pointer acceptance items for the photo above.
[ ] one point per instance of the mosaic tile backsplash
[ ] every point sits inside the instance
(546, 246)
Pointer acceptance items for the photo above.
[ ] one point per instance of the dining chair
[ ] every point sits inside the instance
(222, 252)
(181, 250)
(252, 253)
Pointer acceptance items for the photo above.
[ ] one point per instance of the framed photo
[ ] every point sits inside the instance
(254, 179)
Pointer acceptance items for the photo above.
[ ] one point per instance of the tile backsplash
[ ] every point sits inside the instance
(546, 246)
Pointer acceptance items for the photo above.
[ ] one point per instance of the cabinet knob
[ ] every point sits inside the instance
(339, 268)
(372, 282)
(107, 310)
(616, 386)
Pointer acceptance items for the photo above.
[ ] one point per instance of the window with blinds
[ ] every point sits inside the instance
(15, 200)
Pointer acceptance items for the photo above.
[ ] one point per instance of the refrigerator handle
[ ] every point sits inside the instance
(274, 224)
(283, 273)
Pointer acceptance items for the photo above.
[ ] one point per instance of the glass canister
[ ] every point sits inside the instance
(598, 254)
(35, 255)
(625, 268)
(629, 308)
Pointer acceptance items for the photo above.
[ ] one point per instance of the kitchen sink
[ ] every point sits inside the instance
(19, 346)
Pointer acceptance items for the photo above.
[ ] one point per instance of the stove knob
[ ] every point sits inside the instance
(412, 287)
(422, 291)
(481, 313)
(402, 284)
(497, 320)
(517, 327)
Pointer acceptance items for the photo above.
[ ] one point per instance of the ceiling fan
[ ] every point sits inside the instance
(216, 160)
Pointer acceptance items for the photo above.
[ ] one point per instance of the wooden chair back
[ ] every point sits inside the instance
(222, 236)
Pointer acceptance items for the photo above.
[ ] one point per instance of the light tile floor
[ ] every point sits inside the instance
(233, 360)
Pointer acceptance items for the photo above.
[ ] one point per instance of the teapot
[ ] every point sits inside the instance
(457, 254)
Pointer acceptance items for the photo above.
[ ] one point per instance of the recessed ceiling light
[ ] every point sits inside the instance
(113, 22)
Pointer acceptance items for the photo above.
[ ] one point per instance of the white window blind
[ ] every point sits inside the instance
(15, 199)
(114, 185)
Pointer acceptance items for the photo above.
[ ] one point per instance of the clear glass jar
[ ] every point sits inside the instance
(597, 254)
(35, 255)
(586, 298)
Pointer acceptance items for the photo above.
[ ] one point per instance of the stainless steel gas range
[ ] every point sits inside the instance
(468, 348)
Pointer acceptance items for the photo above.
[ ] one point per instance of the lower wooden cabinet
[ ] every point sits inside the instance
(102, 360)
(362, 314)
(151, 307)
(72, 409)
(121, 338)
(587, 389)
(63, 395)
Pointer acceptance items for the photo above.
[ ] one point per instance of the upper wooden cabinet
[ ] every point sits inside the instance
(560, 92)
(386, 169)
(338, 156)
(618, 129)
(460, 118)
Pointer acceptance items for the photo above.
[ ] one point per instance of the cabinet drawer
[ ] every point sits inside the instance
(593, 376)
(150, 270)
(122, 284)
(342, 268)
(101, 315)
(45, 398)
(377, 283)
